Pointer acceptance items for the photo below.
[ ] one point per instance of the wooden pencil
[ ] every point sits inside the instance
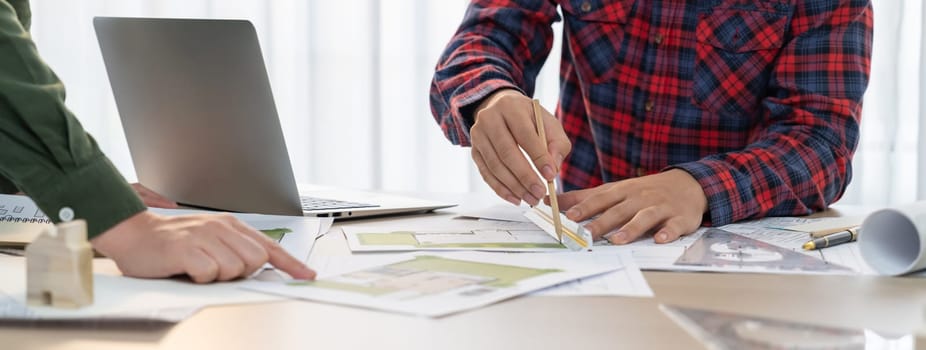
(551, 186)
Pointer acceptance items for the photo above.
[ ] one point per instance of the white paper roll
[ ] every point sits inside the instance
(893, 241)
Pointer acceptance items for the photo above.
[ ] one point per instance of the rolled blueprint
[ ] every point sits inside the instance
(893, 241)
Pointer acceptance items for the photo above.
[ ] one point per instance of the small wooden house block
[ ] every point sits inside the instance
(59, 271)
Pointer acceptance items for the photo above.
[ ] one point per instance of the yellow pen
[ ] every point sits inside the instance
(846, 236)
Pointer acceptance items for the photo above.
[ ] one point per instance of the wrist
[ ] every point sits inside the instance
(117, 238)
(692, 188)
(493, 98)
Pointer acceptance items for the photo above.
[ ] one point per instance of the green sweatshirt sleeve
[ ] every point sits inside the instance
(7, 187)
(44, 151)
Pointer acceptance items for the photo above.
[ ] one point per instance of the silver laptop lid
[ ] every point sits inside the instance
(198, 112)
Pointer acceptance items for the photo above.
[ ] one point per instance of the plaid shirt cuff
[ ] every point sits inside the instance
(463, 105)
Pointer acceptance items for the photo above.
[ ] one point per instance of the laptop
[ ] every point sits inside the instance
(202, 126)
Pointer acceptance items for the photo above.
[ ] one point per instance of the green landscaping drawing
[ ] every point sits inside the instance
(426, 275)
(476, 239)
(276, 233)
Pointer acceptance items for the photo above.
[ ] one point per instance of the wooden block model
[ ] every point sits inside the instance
(59, 271)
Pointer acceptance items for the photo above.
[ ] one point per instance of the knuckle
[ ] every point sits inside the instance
(274, 249)
(527, 175)
(212, 224)
(490, 180)
(230, 272)
(492, 162)
(200, 279)
(519, 192)
(501, 191)
(261, 256)
(632, 228)
(508, 155)
(239, 268)
(203, 274)
(475, 133)
(481, 114)
(198, 241)
(650, 212)
(485, 178)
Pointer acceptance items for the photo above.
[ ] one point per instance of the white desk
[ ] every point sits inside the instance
(879, 303)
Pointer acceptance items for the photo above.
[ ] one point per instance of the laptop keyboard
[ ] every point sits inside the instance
(310, 203)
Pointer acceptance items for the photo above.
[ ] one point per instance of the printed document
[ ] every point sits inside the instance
(483, 235)
(437, 284)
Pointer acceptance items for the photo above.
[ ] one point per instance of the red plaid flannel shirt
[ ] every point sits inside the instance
(760, 101)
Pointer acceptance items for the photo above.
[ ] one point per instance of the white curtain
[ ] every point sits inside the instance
(890, 164)
(351, 82)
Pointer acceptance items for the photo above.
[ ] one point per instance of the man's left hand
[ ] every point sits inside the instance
(669, 205)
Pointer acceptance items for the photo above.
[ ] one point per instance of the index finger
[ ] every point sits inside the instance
(277, 256)
(526, 135)
(280, 259)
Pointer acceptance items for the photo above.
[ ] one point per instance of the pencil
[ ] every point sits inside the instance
(551, 187)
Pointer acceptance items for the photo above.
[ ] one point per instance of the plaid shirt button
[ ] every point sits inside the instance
(649, 106)
(586, 6)
(657, 38)
(641, 172)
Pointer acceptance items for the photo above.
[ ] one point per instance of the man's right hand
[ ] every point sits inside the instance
(207, 247)
(505, 121)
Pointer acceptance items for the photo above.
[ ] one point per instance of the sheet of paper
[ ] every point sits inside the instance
(117, 297)
(437, 284)
(21, 221)
(482, 235)
(500, 212)
(20, 207)
(847, 255)
(325, 226)
(19, 234)
(627, 281)
(824, 223)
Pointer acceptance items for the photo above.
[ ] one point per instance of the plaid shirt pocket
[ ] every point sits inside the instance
(599, 35)
(736, 51)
